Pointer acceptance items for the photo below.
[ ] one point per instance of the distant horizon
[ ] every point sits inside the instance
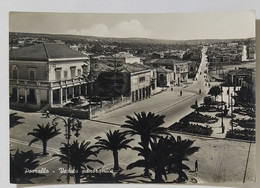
(165, 26)
(134, 37)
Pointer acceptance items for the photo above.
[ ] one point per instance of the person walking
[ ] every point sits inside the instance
(200, 91)
(47, 114)
(180, 93)
(196, 165)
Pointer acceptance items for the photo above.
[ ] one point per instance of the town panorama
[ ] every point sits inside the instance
(131, 110)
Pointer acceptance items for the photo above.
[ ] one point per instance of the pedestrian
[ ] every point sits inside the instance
(200, 91)
(223, 128)
(196, 165)
(180, 93)
(47, 114)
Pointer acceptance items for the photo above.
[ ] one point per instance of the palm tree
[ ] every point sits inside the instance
(148, 127)
(159, 158)
(182, 150)
(14, 120)
(43, 134)
(115, 141)
(78, 156)
(19, 163)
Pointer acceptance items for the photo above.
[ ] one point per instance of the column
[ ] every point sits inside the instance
(79, 90)
(61, 100)
(18, 97)
(25, 96)
(72, 91)
(66, 94)
(50, 97)
(38, 98)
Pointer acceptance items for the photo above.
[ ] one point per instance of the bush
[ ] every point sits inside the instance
(245, 123)
(197, 117)
(68, 112)
(191, 128)
(241, 134)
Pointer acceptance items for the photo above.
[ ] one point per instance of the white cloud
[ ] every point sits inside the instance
(132, 28)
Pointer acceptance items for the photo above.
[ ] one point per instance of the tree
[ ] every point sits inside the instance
(14, 120)
(160, 156)
(148, 127)
(20, 162)
(182, 150)
(78, 156)
(115, 141)
(215, 91)
(44, 134)
(208, 101)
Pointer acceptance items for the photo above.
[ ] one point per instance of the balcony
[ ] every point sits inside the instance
(45, 84)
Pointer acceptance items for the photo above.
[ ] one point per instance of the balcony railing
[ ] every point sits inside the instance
(35, 83)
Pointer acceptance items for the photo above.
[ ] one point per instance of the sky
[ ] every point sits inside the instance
(180, 26)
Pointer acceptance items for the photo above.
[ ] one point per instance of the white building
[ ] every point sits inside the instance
(46, 74)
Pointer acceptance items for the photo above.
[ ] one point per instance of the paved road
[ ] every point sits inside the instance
(168, 103)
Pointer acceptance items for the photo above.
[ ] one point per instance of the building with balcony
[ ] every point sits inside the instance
(46, 75)
(180, 70)
(129, 80)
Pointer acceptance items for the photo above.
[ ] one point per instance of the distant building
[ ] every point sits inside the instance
(122, 57)
(238, 76)
(179, 69)
(46, 74)
(165, 77)
(180, 72)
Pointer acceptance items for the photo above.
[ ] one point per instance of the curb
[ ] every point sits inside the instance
(211, 137)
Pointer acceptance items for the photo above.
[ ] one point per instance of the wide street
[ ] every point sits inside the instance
(219, 159)
(168, 103)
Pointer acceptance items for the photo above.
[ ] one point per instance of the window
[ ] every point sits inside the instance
(65, 74)
(73, 72)
(85, 69)
(79, 72)
(141, 79)
(58, 73)
(15, 72)
(32, 75)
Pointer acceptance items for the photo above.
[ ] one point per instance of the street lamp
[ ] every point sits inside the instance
(71, 124)
(222, 113)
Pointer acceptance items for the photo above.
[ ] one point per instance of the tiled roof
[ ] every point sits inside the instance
(168, 61)
(164, 70)
(241, 72)
(45, 52)
(133, 68)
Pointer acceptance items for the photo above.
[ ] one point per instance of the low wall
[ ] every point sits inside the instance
(97, 111)
(70, 112)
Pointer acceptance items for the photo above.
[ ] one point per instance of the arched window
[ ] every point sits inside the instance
(15, 72)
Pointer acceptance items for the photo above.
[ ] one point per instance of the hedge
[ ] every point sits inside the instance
(191, 128)
(197, 117)
(241, 134)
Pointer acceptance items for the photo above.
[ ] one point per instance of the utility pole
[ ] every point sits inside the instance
(231, 113)
(228, 92)
(222, 113)
(244, 179)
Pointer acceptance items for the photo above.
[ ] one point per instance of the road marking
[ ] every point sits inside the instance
(175, 104)
(48, 161)
(33, 145)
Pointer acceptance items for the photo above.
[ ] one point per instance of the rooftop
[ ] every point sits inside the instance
(241, 71)
(46, 52)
